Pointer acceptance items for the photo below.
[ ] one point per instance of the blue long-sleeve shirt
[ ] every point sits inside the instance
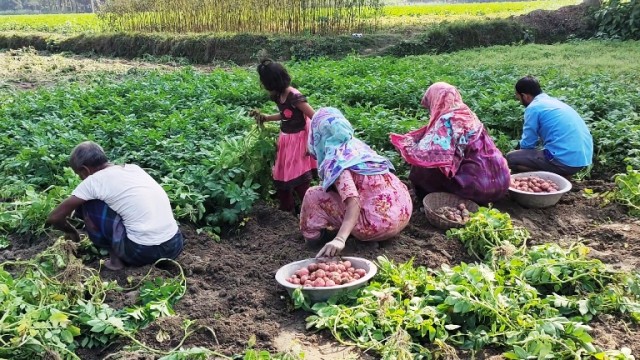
(562, 131)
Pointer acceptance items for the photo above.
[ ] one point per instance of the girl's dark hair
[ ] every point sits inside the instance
(528, 85)
(273, 76)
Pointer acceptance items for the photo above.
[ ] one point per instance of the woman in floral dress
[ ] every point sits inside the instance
(453, 152)
(359, 195)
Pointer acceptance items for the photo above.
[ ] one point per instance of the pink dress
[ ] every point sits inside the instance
(293, 165)
(385, 206)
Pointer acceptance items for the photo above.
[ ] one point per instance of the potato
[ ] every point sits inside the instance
(302, 271)
(361, 272)
(329, 283)
(347, 264)
(313, 267)
(320, 273)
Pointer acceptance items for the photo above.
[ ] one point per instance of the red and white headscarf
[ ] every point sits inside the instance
(441, 143)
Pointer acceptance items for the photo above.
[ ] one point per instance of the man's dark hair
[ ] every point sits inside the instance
(273, 76)
(528, 85)
(87, 154)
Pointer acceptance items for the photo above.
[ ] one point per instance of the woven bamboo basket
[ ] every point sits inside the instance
(434, 201)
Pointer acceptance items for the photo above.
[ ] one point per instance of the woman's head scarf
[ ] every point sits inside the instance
(441, 143)
(332, 143)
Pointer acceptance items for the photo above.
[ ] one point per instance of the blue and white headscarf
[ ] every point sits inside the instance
(332, 143)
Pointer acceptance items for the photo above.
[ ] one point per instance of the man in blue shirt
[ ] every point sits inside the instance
(554, 137)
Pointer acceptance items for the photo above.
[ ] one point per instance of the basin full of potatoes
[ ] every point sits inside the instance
(319, 279)
(538, 189)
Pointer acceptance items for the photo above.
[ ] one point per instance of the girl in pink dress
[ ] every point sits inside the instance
(359, 195)
(294, 168)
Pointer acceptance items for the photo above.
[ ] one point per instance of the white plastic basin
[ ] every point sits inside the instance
(540, 200)
(320, 294)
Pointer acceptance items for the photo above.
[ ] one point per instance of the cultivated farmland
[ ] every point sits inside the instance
(189, 126)
(512, 283)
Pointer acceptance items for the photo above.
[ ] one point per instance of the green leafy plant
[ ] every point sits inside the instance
(53, 304)
(628, 190)
(490, 233)
(619, 19)
(410, 312)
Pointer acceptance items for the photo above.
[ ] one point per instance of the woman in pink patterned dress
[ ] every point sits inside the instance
(453, 153)
(294, 168)
(359, 195)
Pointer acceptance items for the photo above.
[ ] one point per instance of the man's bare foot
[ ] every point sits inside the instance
(114, 265)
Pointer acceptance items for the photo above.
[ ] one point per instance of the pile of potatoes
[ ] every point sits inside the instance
(458, 214)
(326, 274)
(533, 184)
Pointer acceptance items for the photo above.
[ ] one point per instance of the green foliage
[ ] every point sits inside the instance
(179, 127)
(28, 208)
(532, 304)
(53, 304)
(191, 131)
(489, 233)
(52, 23)
(619, 19)
(481, 9)
(4, 242)
(628, 190)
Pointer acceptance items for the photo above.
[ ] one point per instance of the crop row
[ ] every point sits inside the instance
(192, 131)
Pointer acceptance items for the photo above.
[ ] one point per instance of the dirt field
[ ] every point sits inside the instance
(232, 290)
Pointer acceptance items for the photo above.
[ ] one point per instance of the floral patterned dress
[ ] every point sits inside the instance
(385, 206)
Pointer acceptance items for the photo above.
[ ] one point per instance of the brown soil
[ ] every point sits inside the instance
(555, 25)
(232, 291)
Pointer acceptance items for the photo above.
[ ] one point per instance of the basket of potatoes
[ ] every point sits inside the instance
(446, 211)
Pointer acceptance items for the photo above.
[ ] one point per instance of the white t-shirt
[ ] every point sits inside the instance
(140, 201)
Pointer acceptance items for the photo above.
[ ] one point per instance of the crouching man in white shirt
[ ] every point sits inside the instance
(124, 210)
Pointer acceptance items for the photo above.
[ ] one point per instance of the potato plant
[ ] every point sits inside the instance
(628, 190)
(223, 165)
(490, 233)
(535, 304)
(54, 304)
(326, 274)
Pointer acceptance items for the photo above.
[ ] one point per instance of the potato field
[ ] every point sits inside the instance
(511, 283)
